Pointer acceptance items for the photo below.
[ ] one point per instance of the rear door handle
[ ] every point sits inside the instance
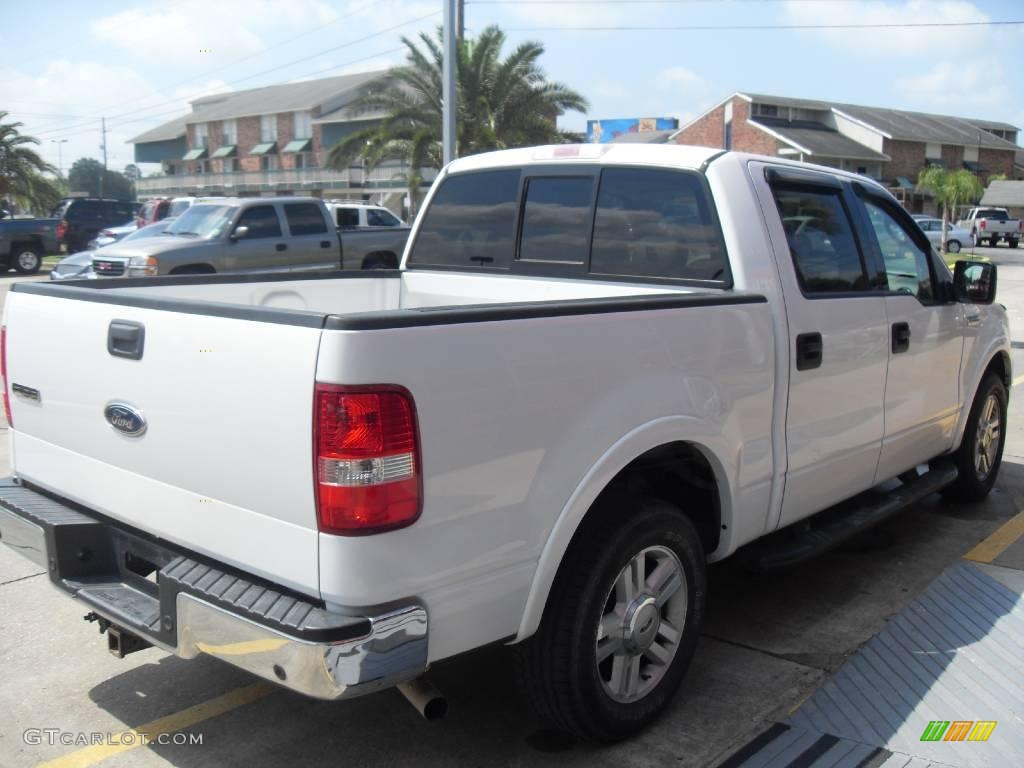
(325, 243)
(808, 351)
(126, 338)
(900, 337)
(281, 247)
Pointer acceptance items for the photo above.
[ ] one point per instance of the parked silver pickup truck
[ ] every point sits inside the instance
(281, 234)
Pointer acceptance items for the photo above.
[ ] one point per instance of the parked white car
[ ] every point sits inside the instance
(358, 214)
(599, 369)
(956, 237)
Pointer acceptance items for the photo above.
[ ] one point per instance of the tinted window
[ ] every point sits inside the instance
(261, 220)
(820, 238)
(377, 218)
(202, 221)
(906, 262)
(304, 218)
(556, 219)
(347, 217)
(992, 213)
(83, 209)
(656, 224)
(471, 222)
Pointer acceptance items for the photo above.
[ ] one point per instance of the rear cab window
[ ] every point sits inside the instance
(615, 223)
(304, 219)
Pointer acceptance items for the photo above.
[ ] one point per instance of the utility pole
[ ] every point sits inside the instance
(60, 161)
(103, 146)
(448, 92)
(460, 15)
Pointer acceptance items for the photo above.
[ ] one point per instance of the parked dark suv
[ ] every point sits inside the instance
(82, 218)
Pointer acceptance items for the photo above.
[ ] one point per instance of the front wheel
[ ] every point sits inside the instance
(621, 623)
(27, 259)
(981, 449)
(953, 246)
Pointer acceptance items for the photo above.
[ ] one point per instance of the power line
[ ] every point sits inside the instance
(61, 129)
(766, 27)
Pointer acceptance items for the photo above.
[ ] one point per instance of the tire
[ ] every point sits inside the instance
(977, 475)
(380, 261)
(1012, 242)
(26, 259)
(559, 670)
(953, 246)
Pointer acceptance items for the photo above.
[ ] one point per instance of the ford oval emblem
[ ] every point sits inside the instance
(124, 418)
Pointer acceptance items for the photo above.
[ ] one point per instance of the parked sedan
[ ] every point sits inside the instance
(956, 237)
(112, 235)
(78, 266)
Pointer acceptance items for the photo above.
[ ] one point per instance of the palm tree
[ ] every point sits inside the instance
(500, 104)
(22, 170)
(951, 189)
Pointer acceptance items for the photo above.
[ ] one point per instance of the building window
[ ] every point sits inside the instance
(230, 164)
(933, 151)
(229, 133)
(268, 128)
(203, 166)
(300, 160)
(268, 162)
(200, 135)
(766, 110)
(302, 125)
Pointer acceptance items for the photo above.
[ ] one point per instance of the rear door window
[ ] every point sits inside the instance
(825, 254)
(655, 223)
(347, 217)
(304, 219)
(471, 222)
(556, 219)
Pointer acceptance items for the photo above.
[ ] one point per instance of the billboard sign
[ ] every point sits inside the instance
(603, 131)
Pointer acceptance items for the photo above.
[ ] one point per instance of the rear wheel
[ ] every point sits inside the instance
(621, 623)
(27, 259)
(981, 450)
(953, 246)
(1012, 242)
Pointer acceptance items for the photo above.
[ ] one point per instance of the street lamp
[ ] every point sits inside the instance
(60, 161)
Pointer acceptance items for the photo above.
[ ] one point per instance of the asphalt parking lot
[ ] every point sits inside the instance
(769, 642)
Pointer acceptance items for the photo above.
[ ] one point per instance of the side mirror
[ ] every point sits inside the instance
(975, 282)
(239, 233)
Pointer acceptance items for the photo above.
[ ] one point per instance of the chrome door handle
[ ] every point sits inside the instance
(973, 321)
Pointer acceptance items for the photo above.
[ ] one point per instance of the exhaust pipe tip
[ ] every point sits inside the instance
(425, 698)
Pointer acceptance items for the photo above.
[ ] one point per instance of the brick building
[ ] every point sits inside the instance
(266, 141)
(890, 145)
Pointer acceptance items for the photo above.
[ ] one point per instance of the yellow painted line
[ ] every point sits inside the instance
(1018, 380)
(992, 547)
(136, 737)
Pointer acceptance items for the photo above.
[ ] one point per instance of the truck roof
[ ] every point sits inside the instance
(679, 155)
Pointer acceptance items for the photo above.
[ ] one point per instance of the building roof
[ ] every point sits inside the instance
(1005, 194)
(328, 93)
(903, 124)
(817, 140)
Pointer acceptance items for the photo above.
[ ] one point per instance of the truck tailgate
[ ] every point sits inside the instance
(224, 465)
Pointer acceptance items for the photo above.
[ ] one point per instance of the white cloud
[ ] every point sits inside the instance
(202, 33)
(955, 87)
(892, 42)
(680, 80)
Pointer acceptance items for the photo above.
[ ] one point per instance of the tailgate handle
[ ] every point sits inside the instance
(126, 338)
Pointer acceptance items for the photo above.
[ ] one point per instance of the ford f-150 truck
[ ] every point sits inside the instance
(599, 369)
(280, 234)
(990, 225)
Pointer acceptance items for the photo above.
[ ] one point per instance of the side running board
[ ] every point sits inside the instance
(828, 529)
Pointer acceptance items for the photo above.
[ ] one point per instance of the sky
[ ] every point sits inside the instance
(67, 62)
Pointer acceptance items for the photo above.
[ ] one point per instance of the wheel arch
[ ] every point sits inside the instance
(642, 461)
(999, 363)
(199, 268)
(389, 258)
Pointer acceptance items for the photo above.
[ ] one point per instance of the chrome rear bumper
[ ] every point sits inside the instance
(198, 607)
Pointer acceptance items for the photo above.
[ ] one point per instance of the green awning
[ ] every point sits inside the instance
(904, 182)
(195, 154)
(228, 151)
(264, 149)
(299, 145)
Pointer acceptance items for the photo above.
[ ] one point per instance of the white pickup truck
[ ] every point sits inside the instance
(990, 225)
(599, 369)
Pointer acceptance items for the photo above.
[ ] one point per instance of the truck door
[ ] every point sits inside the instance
(311, 246)
(263, 248)
(922, 392)
(838, 338)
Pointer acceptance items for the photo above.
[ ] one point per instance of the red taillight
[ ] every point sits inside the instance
(62, 229)
(367, 459)
(3, 375)
(106, 233)
(981, 223)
